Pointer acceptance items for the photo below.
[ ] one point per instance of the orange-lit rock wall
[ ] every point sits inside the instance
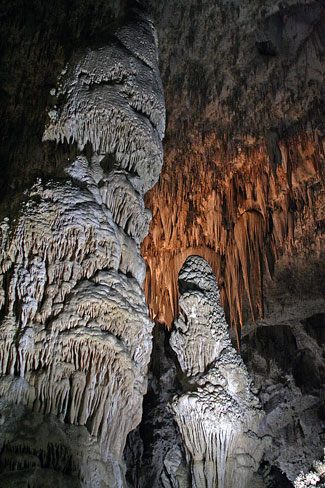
(242, 179)
(239, 211)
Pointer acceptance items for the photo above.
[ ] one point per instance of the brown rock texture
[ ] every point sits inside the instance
(237, 214)
(242, 183)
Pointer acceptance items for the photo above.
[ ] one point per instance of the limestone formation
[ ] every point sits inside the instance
(82, 116)
(242, 183)
(75, 335)
(219, 413)
(287, 366)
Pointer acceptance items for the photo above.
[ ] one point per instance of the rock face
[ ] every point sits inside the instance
(314, 477)
(243, 186)
(287, 365)
(154, 452)
(75, 335)
(218, 415)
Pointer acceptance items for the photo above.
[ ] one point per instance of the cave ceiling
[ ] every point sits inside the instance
(242, 181)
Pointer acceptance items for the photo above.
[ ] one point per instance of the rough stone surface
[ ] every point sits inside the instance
(316, 477)
(154, 451)
(287, 365)
(242, 183)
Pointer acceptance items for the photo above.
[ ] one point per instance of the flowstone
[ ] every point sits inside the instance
(75, 337)
(218, 414)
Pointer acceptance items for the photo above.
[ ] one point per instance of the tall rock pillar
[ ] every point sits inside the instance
(218, 415)
(75, 335)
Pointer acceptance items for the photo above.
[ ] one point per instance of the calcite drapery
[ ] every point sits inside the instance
(219, 414)
(75, 334)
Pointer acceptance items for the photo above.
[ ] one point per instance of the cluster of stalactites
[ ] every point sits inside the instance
(76, 337)
(219, 417)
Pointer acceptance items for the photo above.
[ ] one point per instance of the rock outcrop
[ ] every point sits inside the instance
(218, 414)
(75, 334)
(286, 363)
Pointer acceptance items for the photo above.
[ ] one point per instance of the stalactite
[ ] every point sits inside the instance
(235, 213)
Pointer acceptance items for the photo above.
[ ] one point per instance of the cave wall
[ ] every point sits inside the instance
(192, 361)
(243, 186)
(287, 365)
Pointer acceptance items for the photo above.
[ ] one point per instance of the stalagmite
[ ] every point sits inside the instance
(75, 337)
(218, 414)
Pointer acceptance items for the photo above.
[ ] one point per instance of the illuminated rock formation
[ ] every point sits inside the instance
(218, 415)
(312, 478)
(243, 187)
(242, 183)
(75, 331)
(286, 363)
